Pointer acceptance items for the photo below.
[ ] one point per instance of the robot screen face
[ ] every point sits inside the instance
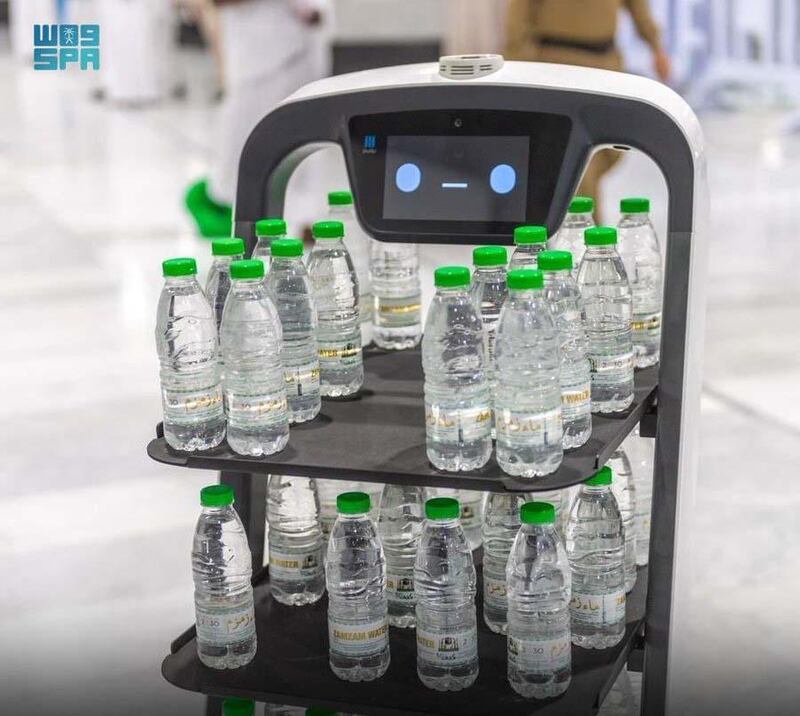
(449, 178)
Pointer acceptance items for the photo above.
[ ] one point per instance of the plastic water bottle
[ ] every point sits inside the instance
(186, 340)
(489, 292)
(335, 292)
(255, 390)
(528, 398)
(458, 412)
(596, 549)
(399, 528)
(238, 707)
(267, 230)
(223, 598)
(500, 526)
(640, 453)
(296, 573)
(289, 286)
(355, 575)
(607, 309)
(394, 269)
(569, 236)
(530, 242)
(329, 490)
(340, 208)
(218, 281)
(444, 579)
(564, 299)
(641, 253)
(625, 493)
(471, 517)
(539, 583)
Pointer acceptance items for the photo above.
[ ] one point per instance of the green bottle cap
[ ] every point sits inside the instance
(554, 261)
(286, 248)
(634, 205)
(340, 198)
(537, 513)
(353, 503)
(179, 267)
(317, 711)
(524, 279)
(451, 276)
(603, 476)
(600, 236)
(270, 227)
(581, 205)
(227, 247)
(238, 707)
(490, 256)
(247, 268)
(530, 235)
(216, 496)
(442, 508)
(328, 230)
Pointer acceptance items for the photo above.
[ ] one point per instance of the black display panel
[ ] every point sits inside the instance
(467, 178)
(455, 147)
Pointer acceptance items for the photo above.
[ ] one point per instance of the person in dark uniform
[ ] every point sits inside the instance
(581, 32)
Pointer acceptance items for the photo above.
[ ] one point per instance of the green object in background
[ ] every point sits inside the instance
(213, 220)
(238, 707)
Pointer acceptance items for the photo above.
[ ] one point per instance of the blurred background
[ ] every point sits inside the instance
(105, 173)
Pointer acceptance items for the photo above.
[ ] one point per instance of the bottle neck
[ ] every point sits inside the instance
(360, 517)
(490, 271)
(452, 522)
(602, 250)
(451, 291)
(247, 284)
(596, 489)
(526, 294)
(264, 239)
(329, 243)
(639, 217)
(180, 281)
(228, 259)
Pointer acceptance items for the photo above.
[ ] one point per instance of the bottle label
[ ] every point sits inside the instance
(598, 609)
(540, 655)
(451, 648)
(347, 353)
(288, 566)
(608, 370)
(646, 327)
(192, 405)
(220, 626)
(529, 428)
(389, 308)
(359, 639)
(400, 588)
(459, 425)
(262, 408)
(576, 400)
(495, 591)
(302, 379)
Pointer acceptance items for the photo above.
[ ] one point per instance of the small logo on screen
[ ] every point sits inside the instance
(57, 47)
(370, 144)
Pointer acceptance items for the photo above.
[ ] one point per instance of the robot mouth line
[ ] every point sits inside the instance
(454, 185)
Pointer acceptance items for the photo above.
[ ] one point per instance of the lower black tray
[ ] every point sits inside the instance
(379, 436)
(291, 667)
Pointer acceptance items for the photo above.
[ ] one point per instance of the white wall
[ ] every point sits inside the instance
(388, 20)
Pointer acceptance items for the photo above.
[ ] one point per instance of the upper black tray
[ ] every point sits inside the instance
(291, 667)
(379, 436)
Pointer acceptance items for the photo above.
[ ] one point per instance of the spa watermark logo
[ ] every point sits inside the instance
(56, 47)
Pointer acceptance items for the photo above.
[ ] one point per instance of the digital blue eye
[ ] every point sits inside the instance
(408, 177)
(503, 179)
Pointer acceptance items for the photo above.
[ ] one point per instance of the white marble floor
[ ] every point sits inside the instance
(94, 537)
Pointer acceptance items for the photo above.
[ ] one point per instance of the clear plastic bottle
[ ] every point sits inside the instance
(445, 583)
(186, 340)
(641, 253)
(267, 230)
(539, 583)
(625, 493)
(472, 506)
(335, 291)
(290, 288)
(606, 297)
(564, 299)
(255, 389)
(457, 396)
(595, 542)
(329, 490)
(397, 315)
(569, 236)
(238, 707)
(296, 572)
(355, 574)
(223, 597)
(500, 527)
(489, 291)
(640, 454)
(218, 281)
(340, 208)
(399, 528)
(528, 398)
(530, 242)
